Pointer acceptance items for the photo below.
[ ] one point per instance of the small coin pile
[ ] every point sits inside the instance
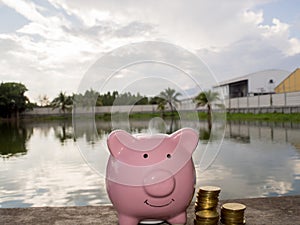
(206, 206)
(233, 214)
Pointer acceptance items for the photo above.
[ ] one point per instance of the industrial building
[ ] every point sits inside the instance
(290, 83)
(259, 83)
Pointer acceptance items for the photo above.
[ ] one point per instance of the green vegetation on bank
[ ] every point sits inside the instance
(138, 116)
(13, 103)
(273, 117)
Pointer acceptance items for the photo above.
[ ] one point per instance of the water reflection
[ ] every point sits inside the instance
(13, 139)
(50, 173)
(64, 132)
(256, 159)
(285, 132)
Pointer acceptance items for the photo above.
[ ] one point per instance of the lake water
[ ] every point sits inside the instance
(41, 163)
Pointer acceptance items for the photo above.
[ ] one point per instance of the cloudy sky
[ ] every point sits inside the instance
(48, 45)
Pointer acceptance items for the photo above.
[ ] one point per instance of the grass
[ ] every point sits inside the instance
(273, 117)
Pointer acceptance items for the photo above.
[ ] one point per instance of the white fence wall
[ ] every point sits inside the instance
(98, 109)
(274, 100)
(253, 101)
(279, 99)
(293, 99)
(264, 100)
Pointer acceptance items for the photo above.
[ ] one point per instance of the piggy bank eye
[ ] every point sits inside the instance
(145, 155)
(169, 156)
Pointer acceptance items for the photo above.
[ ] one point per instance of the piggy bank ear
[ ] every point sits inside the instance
(115, 142)
(186, 138)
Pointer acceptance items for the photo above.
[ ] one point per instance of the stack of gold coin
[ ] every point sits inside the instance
(233, 214)
(206, 217)
(206, 206)
(207, 198)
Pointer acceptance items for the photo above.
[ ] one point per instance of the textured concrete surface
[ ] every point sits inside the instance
(260, 211)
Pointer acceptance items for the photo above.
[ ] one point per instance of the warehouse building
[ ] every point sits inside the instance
(259, 83)
(290, 83)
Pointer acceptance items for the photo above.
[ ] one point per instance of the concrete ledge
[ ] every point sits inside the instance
(275, 210)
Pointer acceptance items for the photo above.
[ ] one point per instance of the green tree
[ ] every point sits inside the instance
(12, 99)
(108, 98)
(161, 107)
(206, 98)
(169, 96)
(155, 100)
(63, 102)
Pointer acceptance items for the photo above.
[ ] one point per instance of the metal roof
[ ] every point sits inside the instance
(246, 77)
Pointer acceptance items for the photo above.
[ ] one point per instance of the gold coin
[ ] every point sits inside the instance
(233, 207)
(204, 207)
(207, 214)
(207, 221)
(210, 189)
(201, 197)
(239, 218)
(203, 192)
(215, 222)
(232, 213)
(207, 201)
(232, 223)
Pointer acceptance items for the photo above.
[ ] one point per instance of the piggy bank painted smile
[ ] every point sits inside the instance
(151, 177)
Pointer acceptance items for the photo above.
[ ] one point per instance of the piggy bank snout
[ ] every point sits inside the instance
(159, 183)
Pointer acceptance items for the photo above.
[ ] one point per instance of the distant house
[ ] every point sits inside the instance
(259, 83)
(290, 83)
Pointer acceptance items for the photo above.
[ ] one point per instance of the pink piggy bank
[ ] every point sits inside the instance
(151, 177)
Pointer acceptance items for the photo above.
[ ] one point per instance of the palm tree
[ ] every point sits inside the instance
(206, 98)
(63, 102)
(169, 96)
(161, 107)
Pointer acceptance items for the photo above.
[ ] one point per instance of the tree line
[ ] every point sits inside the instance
(13, 100)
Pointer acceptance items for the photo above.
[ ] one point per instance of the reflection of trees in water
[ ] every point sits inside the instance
(204, 133)
(173, 125)
(13, 139)
(140, 126)
(86, 130)
(63, 133)
(245, 131)
(92, 131)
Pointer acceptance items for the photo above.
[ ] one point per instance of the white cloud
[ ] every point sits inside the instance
(252, 17)
(279, 35)
(59, 46)
(27, 9)
(278, 28)
(294, 46)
